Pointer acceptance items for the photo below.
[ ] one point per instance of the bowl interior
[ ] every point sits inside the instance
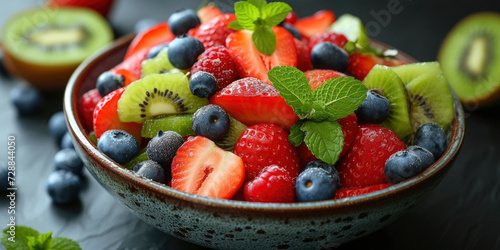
(84, 79)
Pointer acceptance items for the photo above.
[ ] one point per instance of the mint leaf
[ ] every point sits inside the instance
(246, 13)
(41, 242)
(264, 39)
(235, 25)
(324, 139)
(294, 87)
(21, 240)
(275, 12)
(340, 96)
(296, 136)
(61, 243)
(258, 3)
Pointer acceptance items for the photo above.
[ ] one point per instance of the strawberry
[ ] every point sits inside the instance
(87, 105)
(291, 17)
(316, 23)
(217, 61)
(349, 192)
(251, 62)
(202, 168)
(215, 31)
(155, 35)
(364, 163)
(131, 68)
(335, 38)
(318, 76)
(349, 125)
(251, 101)
(303, 55)
(208, 12)
(273, 184)
(101, 6)
(265, 144)
(361, 64)
(106, 116)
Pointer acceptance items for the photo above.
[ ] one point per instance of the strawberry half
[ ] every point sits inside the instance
(101, 6)
(88, 102)
(155, 35)
(251, 62)
(266, 144)
(106, 116)
(364, 163)
(350, 192)
(202, 168)
(208, 12)
(215, 31)
(360, 64)
(318, 76)
(316, 23)
(251, 101)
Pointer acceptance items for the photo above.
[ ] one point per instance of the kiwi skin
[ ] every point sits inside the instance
(493, 96)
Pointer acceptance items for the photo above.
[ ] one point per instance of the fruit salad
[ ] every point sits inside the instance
(264, 106)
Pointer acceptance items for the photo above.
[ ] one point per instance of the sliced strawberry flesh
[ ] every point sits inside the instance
(155, 35)
(316, 23)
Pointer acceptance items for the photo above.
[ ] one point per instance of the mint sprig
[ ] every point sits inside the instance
(259, 17)
(29, 239)
(318, 110)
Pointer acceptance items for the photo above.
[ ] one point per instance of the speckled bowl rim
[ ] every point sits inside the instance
(75, 126)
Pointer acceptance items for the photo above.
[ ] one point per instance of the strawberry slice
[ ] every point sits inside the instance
(316, 23)
(106, 117)
(88, 102)
(215, 31)
(251, 101)
(155, 35)
(350, 192)
(360, 64)
(318, 76)
(131, 68)
(251, 62)
(101, 6)
(202, 168)
(208, 12)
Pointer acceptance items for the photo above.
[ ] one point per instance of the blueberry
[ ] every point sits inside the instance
(315, 184)
(403, 165)
(374, 109)
(431, 137)
(211, 121)
(290, 28)
(327, 55)
(181, 21)
(66, 141)
(27, 100)
(203, 84)
(63, 186)
(4, 176)
(153, 52)
(144, 24)
(425, 155)
(151, 170)
(107, 82)
(184, 51)
(118, 145)
(163, 146)
(330, 169)
(67, 159)
(57, 126)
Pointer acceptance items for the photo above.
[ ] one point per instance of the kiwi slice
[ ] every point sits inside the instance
(181, 124)
(159, 64)
(158, 94)
(391, 86)
(236, 128)
(470, 58)
(142, 156)
(45, 45)
(430, 97)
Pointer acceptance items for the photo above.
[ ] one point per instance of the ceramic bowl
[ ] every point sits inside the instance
(227, 224)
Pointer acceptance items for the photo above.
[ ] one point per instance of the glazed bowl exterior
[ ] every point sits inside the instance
(227, 224)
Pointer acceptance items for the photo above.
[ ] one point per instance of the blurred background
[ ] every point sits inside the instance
(461, 213)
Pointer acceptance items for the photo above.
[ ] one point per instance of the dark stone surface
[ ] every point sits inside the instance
(461, 213)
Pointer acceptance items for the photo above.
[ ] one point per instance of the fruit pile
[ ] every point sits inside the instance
(263, 106)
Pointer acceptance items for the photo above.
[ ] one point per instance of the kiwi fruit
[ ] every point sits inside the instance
(158, 94)
(45, 45)
(470, 59)
(159, 64)
(429, 95)
(142, 156)
(182, 124)
(390, 85)
(236, 128)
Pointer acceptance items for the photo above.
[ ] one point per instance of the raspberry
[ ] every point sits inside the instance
(218, 62)
(273, 184)
(335, 38)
